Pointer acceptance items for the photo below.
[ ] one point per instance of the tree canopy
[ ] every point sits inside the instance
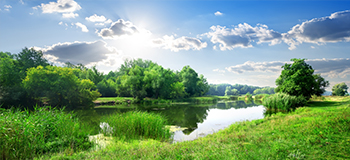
(340, 89)
(298, 79)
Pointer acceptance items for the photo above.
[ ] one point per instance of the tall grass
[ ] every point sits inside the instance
(260, 97)
(283, 102)
(138, 125)
(27, 134)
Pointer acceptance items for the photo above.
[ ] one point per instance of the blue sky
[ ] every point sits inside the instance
(244, 42)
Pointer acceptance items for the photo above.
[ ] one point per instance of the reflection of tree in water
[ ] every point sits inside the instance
(234, 104)
(184, 116)
(180, 115)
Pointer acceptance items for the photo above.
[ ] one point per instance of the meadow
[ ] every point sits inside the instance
(320, 130)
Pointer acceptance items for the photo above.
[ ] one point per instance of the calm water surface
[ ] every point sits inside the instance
(200, 120)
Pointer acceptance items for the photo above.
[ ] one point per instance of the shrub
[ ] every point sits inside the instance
(136, 125)
(283, 102)
(27, 134)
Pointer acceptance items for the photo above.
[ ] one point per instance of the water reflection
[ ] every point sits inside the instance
(199, 120)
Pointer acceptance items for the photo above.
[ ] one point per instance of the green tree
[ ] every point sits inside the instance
(297, 79)
(340, 89)
(107, 88)
(60, 86)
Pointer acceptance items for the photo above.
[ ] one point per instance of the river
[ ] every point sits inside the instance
(197, 120)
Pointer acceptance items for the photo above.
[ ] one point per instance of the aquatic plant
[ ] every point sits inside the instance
(27, 134)
(283, 102)
(138, 125)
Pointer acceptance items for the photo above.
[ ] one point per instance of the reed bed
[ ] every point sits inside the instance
(27, 134)
(283, 102)
(137, 125)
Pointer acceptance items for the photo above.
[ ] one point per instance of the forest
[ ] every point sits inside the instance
(27, 78)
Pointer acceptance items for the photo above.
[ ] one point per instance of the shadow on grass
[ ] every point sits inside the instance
(323, 104)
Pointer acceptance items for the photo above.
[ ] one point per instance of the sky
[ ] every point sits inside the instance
(235, 42)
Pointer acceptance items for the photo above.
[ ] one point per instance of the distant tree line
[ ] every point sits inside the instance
(27, 79)
(237, 89)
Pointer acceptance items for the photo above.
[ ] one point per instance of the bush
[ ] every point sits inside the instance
(283, 102)
(27, 134)
(137, 125)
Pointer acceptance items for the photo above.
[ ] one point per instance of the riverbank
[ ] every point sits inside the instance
(318, 131)
(131, 100)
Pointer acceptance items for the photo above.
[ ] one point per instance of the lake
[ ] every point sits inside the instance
(198, 120)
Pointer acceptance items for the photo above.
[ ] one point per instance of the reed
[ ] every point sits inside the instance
(283, 102)
(27, 134)
(138, 125)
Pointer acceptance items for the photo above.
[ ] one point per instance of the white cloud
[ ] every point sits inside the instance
(121, 28)
(61, 6)
(7, 7)
(60, 23)
(218, 70)
(249, 66)
(182, 43)
(80, 52)
(242, 36)
(66, 7)
(332, 68)
(217, 13)
(96, 18)
(331, 29)
(70, 15)
(83, 27)
(21, 1)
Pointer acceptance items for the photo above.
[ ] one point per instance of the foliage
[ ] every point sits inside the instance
(231, 92)
(107, 88)
(298, 79)
(265, 90)
(228, 89)
(27, 134)
(340, 89)
(283, 102)
(60, 85)
(12, 70)
(248, 97)
(138, 125)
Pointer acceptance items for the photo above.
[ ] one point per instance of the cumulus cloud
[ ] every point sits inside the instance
(66, 7)
(70, 15)
(249, 66)
(21, 1)
(218, 70)
(79, 52)
(182, 43)
(332, 68)
(96, 18)
(121, 28)
(331, 29)
(217, 13)
(242, 36)
(7, 7)
(83, 27)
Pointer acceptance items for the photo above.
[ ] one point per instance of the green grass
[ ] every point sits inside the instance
(27, 134)
(138, 125)
(320, 131)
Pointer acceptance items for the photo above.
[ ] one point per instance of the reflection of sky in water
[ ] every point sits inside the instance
(219, 119)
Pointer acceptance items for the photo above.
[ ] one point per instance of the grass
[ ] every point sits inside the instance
(283, 102)
(137, 125)
(319, 131)
(27, 134)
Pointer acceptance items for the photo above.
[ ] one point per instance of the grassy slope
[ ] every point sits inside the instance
(319, 131)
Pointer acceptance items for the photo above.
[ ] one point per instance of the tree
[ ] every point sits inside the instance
(60, 86)
(297, 79)
(340, 89)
